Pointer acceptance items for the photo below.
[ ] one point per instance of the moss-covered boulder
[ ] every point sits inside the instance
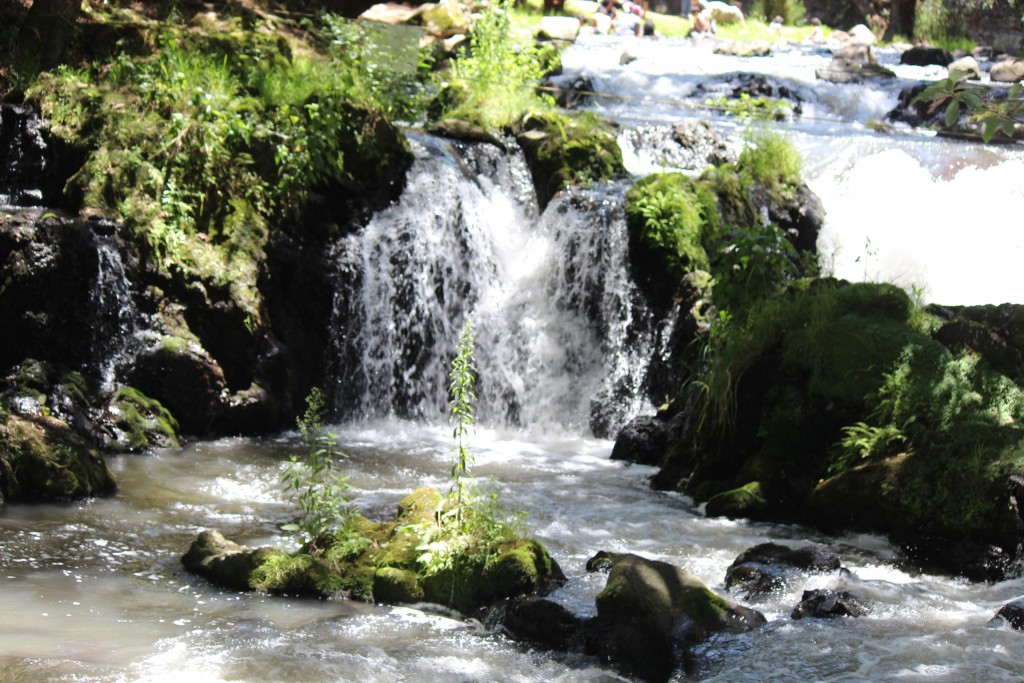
(41, 458)
(563, 150)
(135, 422)
(839, 406)
(408, 559)
(651, 612)
(747, 501)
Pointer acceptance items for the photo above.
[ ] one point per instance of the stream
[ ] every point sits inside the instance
(94, 590)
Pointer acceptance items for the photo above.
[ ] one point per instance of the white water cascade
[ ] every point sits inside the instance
(563, 338)
(934, 215)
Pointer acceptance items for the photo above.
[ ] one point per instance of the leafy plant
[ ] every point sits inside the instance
(498, 78)
(462, 393)
(312, 480)
(862, 441)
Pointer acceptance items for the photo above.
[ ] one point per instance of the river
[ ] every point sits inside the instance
(94, 590)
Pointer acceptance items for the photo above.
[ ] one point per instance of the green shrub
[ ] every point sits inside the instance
(498, 78)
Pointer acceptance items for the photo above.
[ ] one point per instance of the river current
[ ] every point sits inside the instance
(94, 590)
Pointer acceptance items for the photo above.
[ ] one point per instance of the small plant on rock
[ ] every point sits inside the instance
(313, 480)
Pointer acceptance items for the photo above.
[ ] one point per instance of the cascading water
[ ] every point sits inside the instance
(97, 587)
(114, 313)
(903, 206)
(563, 336)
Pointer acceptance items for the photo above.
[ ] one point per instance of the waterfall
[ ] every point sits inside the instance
(113, 312)
(563, 336)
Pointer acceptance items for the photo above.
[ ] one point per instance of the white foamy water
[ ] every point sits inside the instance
(100, 596)
(932, 215)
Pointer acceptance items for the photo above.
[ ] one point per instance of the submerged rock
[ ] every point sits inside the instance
(769, 567)
(825, 604)
(650, 612)
(1011, 614)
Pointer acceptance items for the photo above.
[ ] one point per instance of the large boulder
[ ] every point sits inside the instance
(182, 376)
(967, 67)
(926, 55)
(562, 150)
(41, 458)
(651, 612)
(854, 63)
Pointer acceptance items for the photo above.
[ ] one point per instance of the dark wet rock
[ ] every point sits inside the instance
(41, 458)
(650, 612)
(29, 173)
(642, 441)
(181, 375)
(745, 502)
(1011, 614)
(563, 150)
(926, 55)
(770, 567)
(826, 604)
(575, 95)
(52, 269)
(703, 143)
(545, 623)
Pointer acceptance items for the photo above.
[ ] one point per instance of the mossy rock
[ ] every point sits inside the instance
(650, 612)
(380, 561)
(563, 150)
(393, 585)
(41, 458)
(747, 501)
(137, 422)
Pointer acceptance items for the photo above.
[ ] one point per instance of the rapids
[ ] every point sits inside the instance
(94, 590)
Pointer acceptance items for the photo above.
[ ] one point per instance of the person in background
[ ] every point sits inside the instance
(817, 33)
(776, 24)
(628, 24)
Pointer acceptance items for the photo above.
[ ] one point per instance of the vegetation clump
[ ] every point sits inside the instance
(564, 150)
(462, 549)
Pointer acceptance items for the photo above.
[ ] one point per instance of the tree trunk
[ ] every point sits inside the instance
(45, 32)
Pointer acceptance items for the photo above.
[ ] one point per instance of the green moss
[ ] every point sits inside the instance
(747, 501)
(42, 459)
(141, 422)
(393, 585)
(564, 150)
